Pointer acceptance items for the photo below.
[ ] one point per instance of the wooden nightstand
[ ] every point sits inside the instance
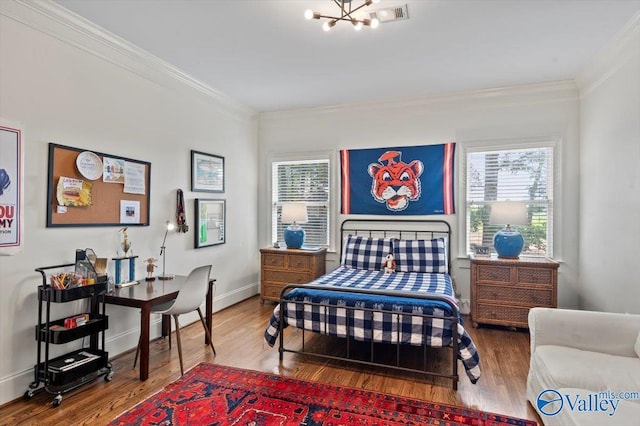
(503, 290)
(281, 266)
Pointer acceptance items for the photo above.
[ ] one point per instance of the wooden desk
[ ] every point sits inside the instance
(144, 296)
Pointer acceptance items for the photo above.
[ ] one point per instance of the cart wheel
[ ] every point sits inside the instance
(57, 401)
(109, 376)
(28, 394)
(33, 385)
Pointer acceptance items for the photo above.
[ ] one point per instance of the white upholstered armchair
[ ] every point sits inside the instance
(580, 363)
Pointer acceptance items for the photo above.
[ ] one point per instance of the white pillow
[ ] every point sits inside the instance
(637, 345)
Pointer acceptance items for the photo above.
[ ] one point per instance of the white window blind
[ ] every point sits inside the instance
(304, 181)
(517, 175)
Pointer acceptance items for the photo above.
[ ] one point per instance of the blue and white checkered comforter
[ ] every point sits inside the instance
(368, 325)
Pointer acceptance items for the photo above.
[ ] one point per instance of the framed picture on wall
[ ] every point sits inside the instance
(210, 222)
(207, 172)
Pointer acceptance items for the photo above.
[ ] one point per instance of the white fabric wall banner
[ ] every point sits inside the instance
(11, 187)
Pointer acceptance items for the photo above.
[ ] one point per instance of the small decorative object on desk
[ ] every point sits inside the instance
(125, 244)
(151, 266)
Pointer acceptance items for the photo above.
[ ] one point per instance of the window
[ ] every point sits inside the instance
(524, 174)
(302, 181)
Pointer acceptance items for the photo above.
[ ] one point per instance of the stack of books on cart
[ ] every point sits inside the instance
(72, 361)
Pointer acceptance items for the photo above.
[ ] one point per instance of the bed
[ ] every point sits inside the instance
(359, 301)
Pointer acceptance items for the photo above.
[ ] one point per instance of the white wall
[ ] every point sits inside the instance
(610, 176)
(67, 85)
(538, 111)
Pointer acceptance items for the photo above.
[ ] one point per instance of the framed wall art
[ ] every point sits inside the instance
(210, 222)
(11, 188)
(207, 172)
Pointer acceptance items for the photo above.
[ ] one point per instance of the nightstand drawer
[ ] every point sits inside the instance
(287, 277)
(514, 295)
(498, 274)
(535, 276)
(271, 291)
(273, 260)
(301, 263)
(507, 315)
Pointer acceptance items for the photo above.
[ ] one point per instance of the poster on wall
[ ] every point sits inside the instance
(410, 180)
(11, 226)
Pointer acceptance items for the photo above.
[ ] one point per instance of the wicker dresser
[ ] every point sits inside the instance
(503, 290)
(280, 267)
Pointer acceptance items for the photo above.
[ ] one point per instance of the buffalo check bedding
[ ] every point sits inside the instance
(327, 314)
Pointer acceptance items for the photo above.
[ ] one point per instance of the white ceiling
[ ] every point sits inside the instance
(267, 56)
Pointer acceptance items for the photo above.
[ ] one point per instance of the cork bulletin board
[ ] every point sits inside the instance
(88, 188)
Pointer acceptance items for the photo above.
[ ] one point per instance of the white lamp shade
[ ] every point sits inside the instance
(294, 213)
(508, 213)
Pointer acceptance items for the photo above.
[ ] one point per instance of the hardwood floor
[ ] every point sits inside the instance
(237, 335)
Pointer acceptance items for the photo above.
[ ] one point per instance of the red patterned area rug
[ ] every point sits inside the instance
(217, 395)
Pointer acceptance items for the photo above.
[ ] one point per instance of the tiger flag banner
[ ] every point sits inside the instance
(410, 180)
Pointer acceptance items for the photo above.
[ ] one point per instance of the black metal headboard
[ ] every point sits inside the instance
(408, 229)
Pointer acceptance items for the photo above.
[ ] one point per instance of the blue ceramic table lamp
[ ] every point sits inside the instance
(294, 213)
(508, 242)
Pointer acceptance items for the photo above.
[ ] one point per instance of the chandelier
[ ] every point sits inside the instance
(347, 9)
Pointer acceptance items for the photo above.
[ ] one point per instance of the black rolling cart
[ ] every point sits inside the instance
(76, 368)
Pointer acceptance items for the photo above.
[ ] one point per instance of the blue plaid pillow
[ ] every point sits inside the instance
(420, 255)
(365, 253)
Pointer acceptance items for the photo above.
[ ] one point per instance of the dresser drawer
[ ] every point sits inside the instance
(273, 260)
(300, 263)
(271, 291)
(514, 295)
(287, 277)
(507, 315)
(498, 274)
(543, 276)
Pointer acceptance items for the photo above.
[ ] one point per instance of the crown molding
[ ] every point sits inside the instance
(56, 21)
(624, 46)
(513, 95)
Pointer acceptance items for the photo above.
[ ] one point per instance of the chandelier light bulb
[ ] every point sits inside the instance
(308, 14)
(374, 23)
(357, 26)
(328, 25)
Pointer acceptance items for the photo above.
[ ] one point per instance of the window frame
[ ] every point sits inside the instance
(327, 156)
(468, 147)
